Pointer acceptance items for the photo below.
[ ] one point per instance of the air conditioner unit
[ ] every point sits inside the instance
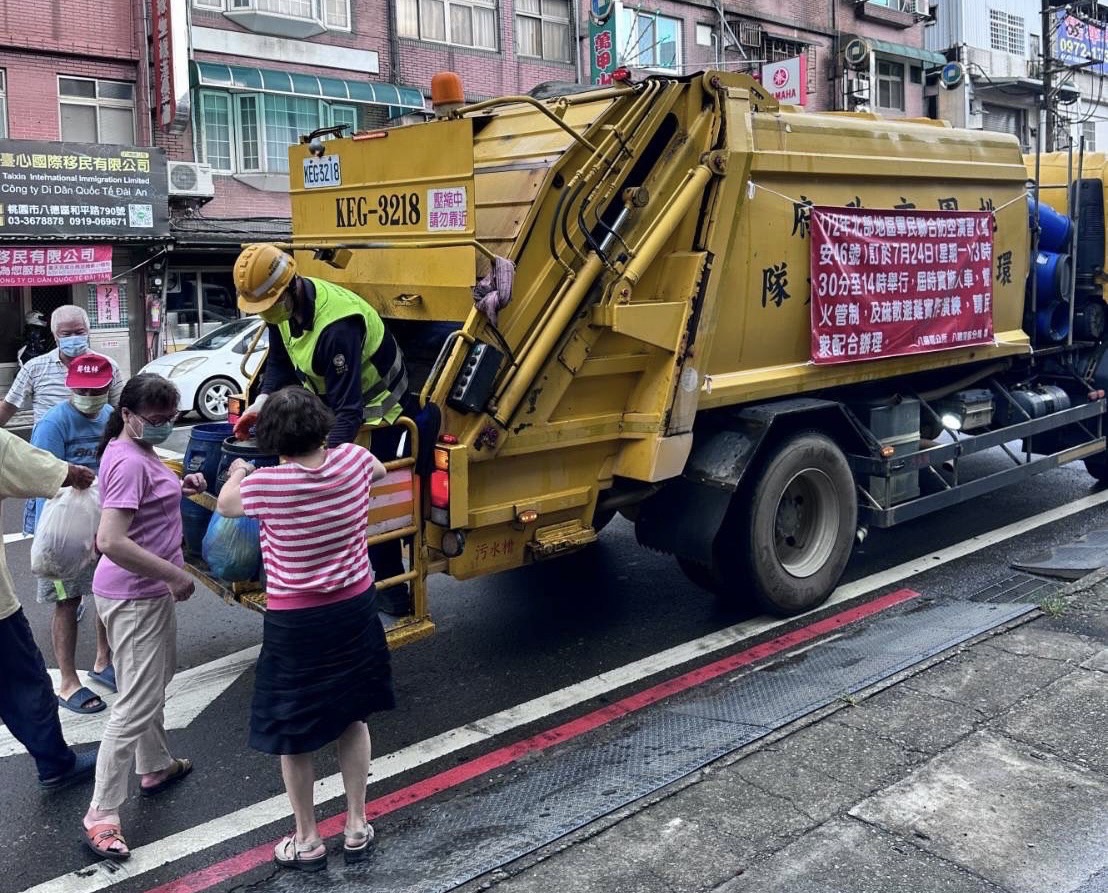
(190, 180)
(921, 8)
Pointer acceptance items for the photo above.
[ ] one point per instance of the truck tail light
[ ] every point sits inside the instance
(440, 489)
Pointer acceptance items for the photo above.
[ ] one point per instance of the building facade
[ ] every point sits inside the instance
(83, 213)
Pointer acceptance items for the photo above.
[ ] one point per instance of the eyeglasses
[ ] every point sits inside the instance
(165, 420)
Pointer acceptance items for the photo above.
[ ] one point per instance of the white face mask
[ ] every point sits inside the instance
(89, 404)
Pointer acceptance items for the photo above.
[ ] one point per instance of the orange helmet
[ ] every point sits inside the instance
(262, 273)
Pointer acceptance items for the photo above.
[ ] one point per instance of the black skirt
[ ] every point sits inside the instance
(320, 669)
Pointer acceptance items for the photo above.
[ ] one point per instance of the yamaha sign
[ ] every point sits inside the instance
(787, 80)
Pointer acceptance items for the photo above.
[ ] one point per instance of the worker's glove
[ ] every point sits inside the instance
(249, 418)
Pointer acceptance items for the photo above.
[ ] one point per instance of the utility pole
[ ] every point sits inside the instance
(1047, 140)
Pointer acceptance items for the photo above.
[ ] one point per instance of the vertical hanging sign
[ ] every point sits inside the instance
(602, 41)
(169, 23)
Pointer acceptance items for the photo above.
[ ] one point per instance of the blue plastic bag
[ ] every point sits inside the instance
(232, 548)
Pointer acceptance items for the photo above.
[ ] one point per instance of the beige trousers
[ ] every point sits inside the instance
(142, 633)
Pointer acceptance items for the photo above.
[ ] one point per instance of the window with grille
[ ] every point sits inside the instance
(251, 132)
(890, 85)
(649, 40)
(332, 14)
(3, 104)
(468, 23)
(95, 111)
(1006, 32)
(776, 49)
(1088, 130)
(542, 29)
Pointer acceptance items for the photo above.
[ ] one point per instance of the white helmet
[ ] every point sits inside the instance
(35, 318)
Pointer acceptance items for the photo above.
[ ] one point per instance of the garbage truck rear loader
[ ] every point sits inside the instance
(749, 329)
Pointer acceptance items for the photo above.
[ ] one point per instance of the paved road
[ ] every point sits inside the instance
(501, 642)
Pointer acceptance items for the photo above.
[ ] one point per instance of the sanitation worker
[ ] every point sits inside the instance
(331, 341)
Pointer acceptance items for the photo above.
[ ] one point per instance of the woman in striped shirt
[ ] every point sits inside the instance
(324, 664)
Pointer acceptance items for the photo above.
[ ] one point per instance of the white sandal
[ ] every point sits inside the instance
(289, 853)
(355, 846)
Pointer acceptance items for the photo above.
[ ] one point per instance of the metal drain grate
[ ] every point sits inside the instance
(1017, 589)
(433, 847)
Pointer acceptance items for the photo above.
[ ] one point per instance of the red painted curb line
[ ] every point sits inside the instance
(227, 869)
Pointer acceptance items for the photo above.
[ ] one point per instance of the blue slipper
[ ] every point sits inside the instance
(80, 701)
(84, 768)
(105, 677)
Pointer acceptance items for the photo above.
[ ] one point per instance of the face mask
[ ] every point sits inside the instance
(73, 345)
(89, 404)
(278, 313)
(153, 435)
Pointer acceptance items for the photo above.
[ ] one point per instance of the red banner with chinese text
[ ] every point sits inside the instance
(60, 265)
(887, 283)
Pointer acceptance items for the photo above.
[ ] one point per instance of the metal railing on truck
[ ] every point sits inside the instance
(395, 514)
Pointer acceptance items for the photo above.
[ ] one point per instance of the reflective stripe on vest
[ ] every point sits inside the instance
(381, 397)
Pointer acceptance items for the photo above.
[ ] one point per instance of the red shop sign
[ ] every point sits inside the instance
(55, 265)
(896, 282)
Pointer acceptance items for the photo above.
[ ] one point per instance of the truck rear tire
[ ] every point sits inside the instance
(1097, 466)
(792, 533)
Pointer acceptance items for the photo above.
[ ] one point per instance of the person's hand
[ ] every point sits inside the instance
(249, 418)
(193, 483)
(181, 586)
(79, 477)
(241, 465)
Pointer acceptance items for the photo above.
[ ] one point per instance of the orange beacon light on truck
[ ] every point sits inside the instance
(446, 93)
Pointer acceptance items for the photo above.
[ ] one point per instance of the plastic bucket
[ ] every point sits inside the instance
(1052, 322)
(1052, 277)
(1054, 227)
(240, 449)
(205, 449)
(203, 454)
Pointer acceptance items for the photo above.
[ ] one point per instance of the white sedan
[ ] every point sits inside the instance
(209, 370)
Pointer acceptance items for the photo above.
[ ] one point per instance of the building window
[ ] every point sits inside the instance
(542, 29)
(1006, 32)
(3, 104)
(250, 133)
(890, 85)
(649, 40)
(94, 111)
(467, 23)
(1088, 130)
(333, 14)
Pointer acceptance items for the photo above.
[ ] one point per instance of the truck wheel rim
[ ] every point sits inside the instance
(806, 524)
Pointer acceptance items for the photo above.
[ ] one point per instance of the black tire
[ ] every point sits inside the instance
(211, 398)
(1097, 466)
(790, 534)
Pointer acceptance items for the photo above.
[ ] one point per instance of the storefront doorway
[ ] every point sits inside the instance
(197, 302)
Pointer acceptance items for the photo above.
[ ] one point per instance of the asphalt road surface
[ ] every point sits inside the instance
(501, 642)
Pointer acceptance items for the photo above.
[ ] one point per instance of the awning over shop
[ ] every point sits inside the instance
(903, 51)
(293, 83)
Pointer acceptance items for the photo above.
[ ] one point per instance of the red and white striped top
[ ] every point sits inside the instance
(313, 528)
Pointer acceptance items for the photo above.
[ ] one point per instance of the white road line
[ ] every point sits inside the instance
(223, 828)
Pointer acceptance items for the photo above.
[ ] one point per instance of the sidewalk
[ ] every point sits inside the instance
(984, 770)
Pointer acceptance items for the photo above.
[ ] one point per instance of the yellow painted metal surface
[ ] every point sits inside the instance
(614, 342)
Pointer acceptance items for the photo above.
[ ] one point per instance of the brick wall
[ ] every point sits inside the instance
(32, 82)
(103, 29)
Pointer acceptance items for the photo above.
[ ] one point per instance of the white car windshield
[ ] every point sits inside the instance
(222, 336)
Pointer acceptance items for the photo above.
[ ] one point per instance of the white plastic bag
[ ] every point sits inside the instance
(65, 538)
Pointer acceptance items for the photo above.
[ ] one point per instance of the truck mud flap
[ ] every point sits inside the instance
(685, 516)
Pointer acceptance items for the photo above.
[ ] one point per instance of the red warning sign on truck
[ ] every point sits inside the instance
(887, 283)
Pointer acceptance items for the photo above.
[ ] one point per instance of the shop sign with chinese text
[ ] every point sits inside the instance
(54, 264)
(52, 190)
(896, 282)
(603, 59)
(169, 23)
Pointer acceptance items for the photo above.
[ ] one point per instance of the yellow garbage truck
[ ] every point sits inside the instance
(751, 330)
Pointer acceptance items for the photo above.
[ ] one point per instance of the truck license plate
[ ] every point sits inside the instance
(322, 172)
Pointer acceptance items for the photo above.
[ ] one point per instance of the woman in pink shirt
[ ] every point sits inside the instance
(137, 584)
(324, 665)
